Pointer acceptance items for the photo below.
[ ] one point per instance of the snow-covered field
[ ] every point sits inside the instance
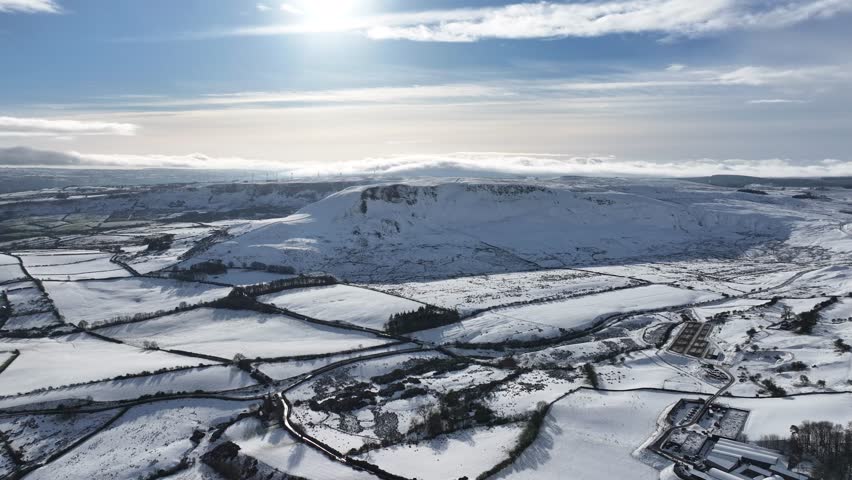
(209, 379)
(71, 359)
(468, 294)
(145, 439)
(773, 416)
(28, 321)
(10, 269)
(593, 436)
(467, 453)
(277, 448)
(343, 303)
(225, 333)
(71, 265)
(553, 318)
(104, 300)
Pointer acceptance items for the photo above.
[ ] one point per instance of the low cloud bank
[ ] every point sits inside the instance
(488, 164)
(46, 127)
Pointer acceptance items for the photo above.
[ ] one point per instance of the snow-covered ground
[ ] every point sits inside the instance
(467, 453)
(71, 359)
(225, 333)
(553, 318)
(209, 379)
(277, 448)
(468, 294)
(70, 265)
(145, 439)
(593, 436)
(433, 230)
(344, 303)
(773, 416)
(602, 271)
(104, 300)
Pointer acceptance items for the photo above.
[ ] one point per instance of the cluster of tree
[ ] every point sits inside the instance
(159, 243)
(434, 366)
(807, 320)
(199, 271)
(352, 397)
(239, 300)
(841, 346)
(282, 269)
(591, 375)
(796, 366)
(423, 318)
(288, 284)
(772, 388)
(455, 410)
(210, 267)
(828, 445)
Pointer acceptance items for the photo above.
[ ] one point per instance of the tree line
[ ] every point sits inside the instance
(423, 318)
(828, 445)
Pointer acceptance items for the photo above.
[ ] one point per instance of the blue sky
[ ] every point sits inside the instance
(612, 86)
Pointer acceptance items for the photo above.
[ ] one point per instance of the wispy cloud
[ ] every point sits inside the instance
(671, 83)
(29, 6)
(486, 164)
(45, 127)
(772, 101)
(582, 19)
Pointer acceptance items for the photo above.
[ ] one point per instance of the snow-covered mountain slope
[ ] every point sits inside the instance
(427, 229)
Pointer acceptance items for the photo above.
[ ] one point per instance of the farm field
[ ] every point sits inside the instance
(343, 303)
(469, 294)
(554, 318)
(225, 333)
(104, 301)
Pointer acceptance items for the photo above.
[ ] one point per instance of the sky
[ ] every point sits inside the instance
(314, 87)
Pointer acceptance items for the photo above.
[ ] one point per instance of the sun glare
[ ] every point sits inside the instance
(327, 13)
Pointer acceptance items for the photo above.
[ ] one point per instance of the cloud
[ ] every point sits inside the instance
(544, 165)
(262, 7)
(291, 9)
(382, 95)
(771, 101)
(43, 127)
(486, 164)
(29, 6)
(29, 157)
(675, 67)
(580, 19)
(672, 83)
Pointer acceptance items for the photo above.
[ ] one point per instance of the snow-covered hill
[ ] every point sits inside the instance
(426, 229)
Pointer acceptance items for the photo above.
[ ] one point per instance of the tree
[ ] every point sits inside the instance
(591, 375)
(83, 324)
